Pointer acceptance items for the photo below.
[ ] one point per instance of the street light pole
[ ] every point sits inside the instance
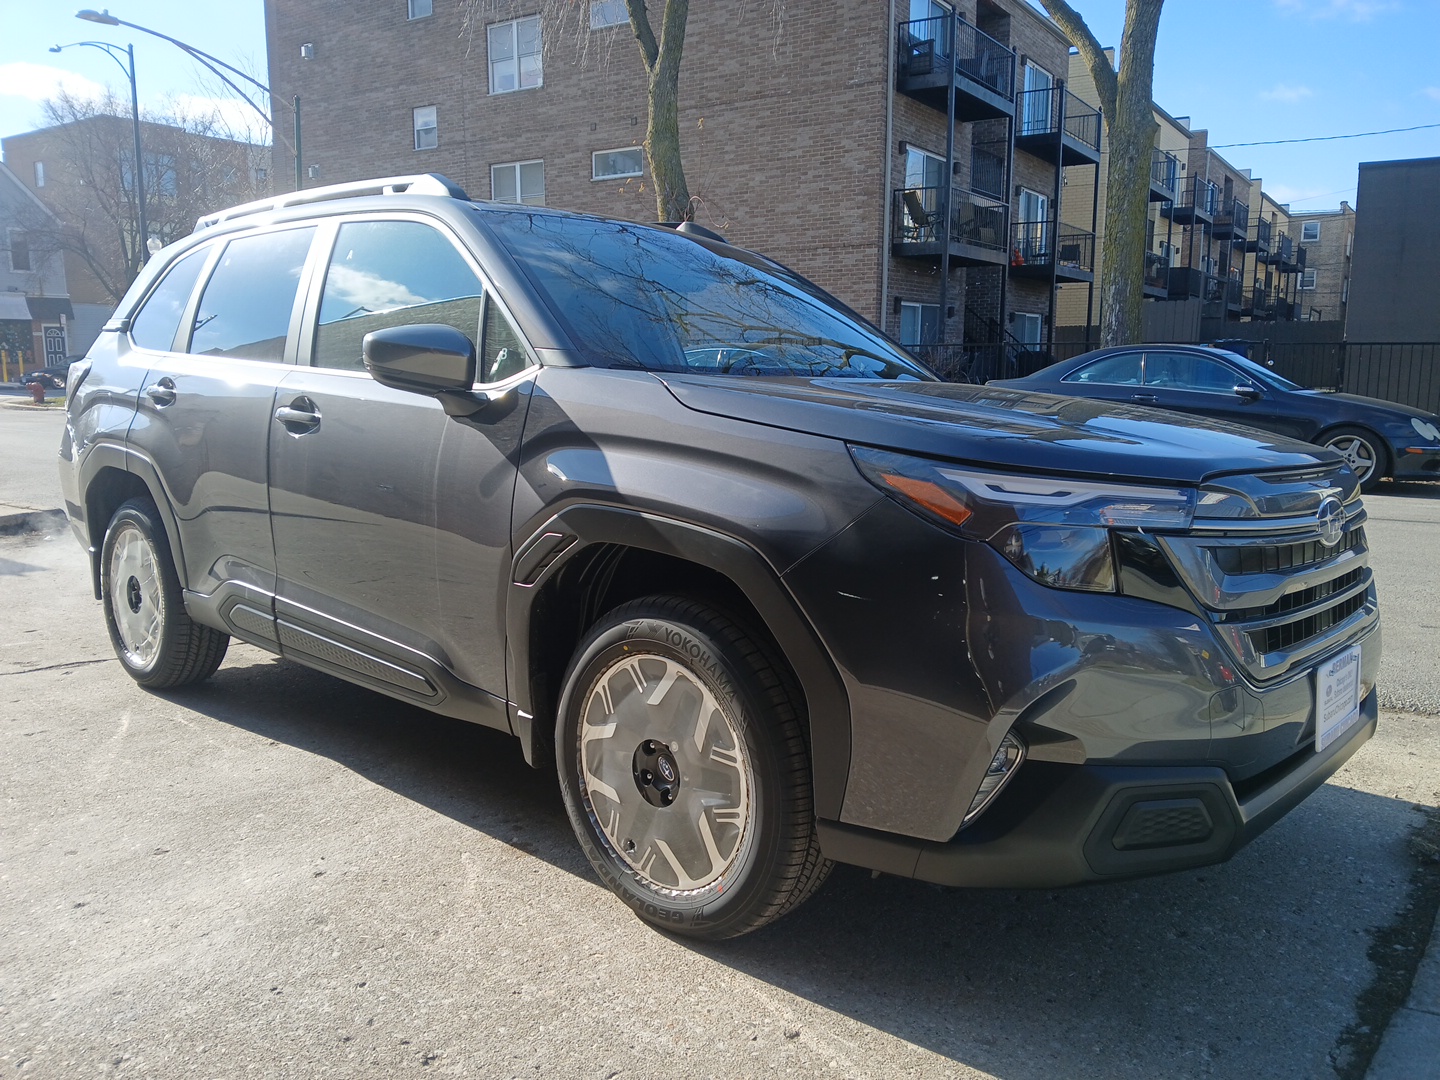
(209, 62)
(138, 168)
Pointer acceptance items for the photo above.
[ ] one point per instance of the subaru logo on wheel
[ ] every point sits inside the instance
(1331, 517)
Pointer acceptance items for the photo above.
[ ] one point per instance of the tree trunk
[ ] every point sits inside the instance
(1127, 100)
(662, 131)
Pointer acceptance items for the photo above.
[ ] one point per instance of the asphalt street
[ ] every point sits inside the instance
(278, 874)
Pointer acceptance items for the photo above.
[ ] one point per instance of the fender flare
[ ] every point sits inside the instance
(124, 459)
(578, 527)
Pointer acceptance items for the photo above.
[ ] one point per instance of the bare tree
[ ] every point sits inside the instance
(190, 169)
(1127, 97)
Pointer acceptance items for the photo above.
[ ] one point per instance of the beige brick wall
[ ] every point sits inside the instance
(1329, 257)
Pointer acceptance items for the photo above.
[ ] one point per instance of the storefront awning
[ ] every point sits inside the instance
(13, 306)
(48, 309)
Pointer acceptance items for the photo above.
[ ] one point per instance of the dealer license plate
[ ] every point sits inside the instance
(1337, 697)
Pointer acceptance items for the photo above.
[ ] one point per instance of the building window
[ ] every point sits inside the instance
(427, 131)
(518, 182)
(1307, 279)
(1309, 231)
(39, 174)
(1345, 291)
(605, 13)
(19, 250)
(1028, 327)
(616, 164)
(421, 9)
(919, 323)
(515, 55)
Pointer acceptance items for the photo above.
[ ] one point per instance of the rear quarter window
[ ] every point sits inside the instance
(158, 320)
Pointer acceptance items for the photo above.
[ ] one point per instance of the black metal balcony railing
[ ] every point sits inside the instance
(928, 45)
(1198, 198)
(1157, 271)
(1039, 243)
(973, 219)
(1262, 303)
(1261, 239)
(987, 173)
(1164, 169)
(1039, 112)
(1232, 218)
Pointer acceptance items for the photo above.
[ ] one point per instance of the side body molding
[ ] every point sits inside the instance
(581, 527)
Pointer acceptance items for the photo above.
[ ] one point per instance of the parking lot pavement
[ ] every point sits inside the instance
(29, 462)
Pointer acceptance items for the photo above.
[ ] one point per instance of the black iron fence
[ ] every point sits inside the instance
(978, 363)
(1393, 371)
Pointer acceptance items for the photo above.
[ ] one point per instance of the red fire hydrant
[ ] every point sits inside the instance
(37, 391)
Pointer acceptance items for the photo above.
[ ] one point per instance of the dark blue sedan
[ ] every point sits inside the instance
(1377, 438)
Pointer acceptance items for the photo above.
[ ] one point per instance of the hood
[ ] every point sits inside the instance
(1006, 429)
(1393, 410)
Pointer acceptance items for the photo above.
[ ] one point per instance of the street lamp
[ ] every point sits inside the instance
(209, 62)
(141, 243)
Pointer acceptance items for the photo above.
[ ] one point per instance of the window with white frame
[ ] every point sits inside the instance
(19, 249)
(518, 182)
(515, 55)
(421, 9)
(1307, 279)
(427, 129)
(1028, 327)
(1309, 231)
(617, 164)
(919, 323)
(605, 13)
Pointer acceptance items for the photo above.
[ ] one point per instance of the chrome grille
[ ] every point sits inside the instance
(1276, 593)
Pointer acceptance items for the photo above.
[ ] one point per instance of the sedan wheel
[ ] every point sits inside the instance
(1361, 452)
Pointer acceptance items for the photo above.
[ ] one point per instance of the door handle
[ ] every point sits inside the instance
(162, 393)
(1143, 399)
(299, 416)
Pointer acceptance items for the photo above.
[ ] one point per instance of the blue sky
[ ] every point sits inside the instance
(1248, 70)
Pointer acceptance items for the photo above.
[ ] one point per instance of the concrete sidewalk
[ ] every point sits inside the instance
(1410, 1048)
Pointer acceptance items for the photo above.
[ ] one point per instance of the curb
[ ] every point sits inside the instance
(1410, 1047)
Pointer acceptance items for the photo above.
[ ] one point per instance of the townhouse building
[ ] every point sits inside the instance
(912, 157)
(1328, 239)
(35, 305)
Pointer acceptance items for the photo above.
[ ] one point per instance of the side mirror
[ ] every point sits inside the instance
(426, 358)
(1248, 393)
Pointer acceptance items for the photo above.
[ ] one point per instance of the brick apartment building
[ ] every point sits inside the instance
(910, 157)
(34, 300)
(1328, 237)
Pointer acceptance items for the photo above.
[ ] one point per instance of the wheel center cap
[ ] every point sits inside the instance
(132, 595)
(657, 776)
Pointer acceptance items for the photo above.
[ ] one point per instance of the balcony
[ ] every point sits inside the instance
(1038, 249)
(1164, 176)
(1057, 127)
(1232, 221)
(1199, 200)
(1259, 239)
(987, 172)
(946, 55)
(1186, 282)
(1293, 262)
(1222, 298)
(975, 237)
(1257, 303)
(1157, 276)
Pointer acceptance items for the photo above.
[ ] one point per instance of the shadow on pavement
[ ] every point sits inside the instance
(1251, 968)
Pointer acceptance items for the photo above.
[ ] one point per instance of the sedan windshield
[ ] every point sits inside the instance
(640, 297)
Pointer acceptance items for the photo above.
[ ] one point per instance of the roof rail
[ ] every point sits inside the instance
(418, 184)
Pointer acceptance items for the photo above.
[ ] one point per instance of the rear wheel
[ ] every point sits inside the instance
(685, 770)
(157, 642)
(1362, 451)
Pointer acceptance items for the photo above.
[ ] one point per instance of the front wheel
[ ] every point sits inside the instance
(1362, 451)
(685, 770)
(157, 642)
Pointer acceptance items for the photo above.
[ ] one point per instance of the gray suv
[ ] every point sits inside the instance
(765, 591)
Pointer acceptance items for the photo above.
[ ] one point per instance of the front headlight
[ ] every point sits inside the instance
(1055, 530)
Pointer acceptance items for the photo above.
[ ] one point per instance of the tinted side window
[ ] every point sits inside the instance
(155, 326)
(1186, 371)
(504, 354)
(392, 273)
(245, 309)
(1121, 370)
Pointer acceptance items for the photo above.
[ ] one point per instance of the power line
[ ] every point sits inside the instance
(1326, 138)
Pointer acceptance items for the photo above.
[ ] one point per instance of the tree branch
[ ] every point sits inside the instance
(640, 24)
(1069, 20)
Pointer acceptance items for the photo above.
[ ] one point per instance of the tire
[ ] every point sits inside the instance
(685, 770)
(157, 642)
(1362, 451)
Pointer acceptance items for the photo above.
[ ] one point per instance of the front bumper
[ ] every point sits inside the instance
(1058, 825)
(1417, 463)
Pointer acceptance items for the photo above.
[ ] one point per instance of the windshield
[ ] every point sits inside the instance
(639, 297)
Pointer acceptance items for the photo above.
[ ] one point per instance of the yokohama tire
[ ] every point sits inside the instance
(685, 770)
(157, 642)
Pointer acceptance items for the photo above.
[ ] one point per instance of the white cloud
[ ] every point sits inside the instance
(1432, 92)
(36, 82)
(1356, 10)
(1286, 93)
